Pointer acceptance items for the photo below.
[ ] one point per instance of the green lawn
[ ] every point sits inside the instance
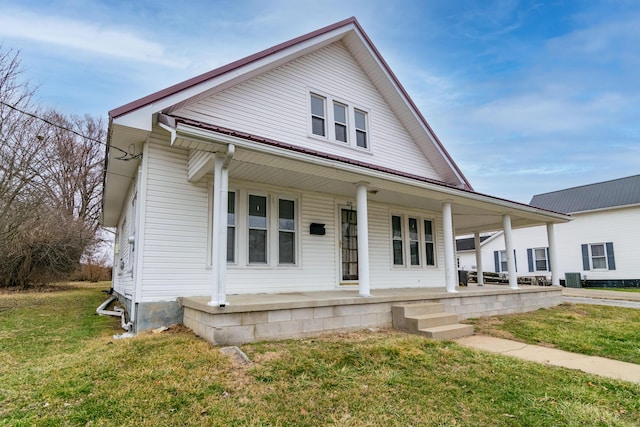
(616, 289)
(59, 365)
(596, 330)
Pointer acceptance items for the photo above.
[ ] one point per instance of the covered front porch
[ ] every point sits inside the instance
(256, 317)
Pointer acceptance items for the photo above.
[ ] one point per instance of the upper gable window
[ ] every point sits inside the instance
(361, 128)
(318, 121)
(339, 121)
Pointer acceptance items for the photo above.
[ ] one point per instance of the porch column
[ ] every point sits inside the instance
(222, 251)
(553, 255)
(363, 240)
(479, 272)
(450, 270)
(508, 244)
(216, 230)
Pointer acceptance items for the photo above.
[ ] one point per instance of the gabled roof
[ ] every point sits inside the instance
(138, 114)
(601, 195)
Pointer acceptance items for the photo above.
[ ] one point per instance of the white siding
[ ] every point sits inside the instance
(619, 226)
(275, 105)
(175, 228)
(123, 261)
(176, 240)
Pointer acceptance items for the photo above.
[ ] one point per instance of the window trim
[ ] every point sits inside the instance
(294, 231)
(313, 94)
(234, 226)
(603, 256)
(266, 229)
(532, 259)
(405, 238)
(330, 132)
(432, 242)
(345, 124)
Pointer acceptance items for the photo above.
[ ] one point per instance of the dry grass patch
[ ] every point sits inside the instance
(367, 378)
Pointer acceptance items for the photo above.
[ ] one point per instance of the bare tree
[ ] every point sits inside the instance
(50, 183)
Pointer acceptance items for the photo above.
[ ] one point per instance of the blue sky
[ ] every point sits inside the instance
(528, 97)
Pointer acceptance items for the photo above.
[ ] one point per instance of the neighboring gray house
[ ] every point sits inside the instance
(601, 243)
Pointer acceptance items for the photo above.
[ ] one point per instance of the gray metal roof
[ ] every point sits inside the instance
(607, 194)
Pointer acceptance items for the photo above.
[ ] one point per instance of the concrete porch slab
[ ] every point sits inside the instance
(256, 317)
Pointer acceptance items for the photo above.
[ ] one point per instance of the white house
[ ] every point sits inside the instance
(601, 243)
(304, 167)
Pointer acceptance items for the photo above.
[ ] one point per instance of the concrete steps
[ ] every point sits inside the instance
(428, 319)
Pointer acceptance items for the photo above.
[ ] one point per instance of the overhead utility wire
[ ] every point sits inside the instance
(126, 156)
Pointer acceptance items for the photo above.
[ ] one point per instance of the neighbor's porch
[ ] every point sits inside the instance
(257, 317)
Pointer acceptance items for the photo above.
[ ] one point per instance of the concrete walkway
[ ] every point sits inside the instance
(551, 356)
(601, 294)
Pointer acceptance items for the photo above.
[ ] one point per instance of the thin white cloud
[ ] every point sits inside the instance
(549, 111)
(87, 36)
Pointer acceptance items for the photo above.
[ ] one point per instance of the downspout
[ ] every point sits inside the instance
(117, 312)
(221, 190)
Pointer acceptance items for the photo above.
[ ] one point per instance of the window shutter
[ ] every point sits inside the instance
(585, 257)
(548, 260)
(496, 260)
(611, 261)
(530, 259)
(515, 260)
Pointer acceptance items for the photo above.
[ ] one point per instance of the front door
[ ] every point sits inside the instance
(349, 244)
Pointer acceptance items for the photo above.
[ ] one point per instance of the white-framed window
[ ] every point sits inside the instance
(414, 241)
(258, 222)
(503, 261)
(500, 261)
(396, 237)
(231, 227)
(318, 115)
(361, 128)
(408, 234)
(429, 243)
(286, 231)
(350, 122)
(538, 259)
(598, 256)
(340, 121)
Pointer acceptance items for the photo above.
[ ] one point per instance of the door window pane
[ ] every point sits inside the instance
(349, 245)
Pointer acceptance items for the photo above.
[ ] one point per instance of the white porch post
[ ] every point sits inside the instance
(479, 271)
(553, 255)
(222, 251)
(215, 250)
(450, 271)
(508, 243)
(363, 240)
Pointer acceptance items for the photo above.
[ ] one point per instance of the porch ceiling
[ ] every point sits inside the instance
(472, 212)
